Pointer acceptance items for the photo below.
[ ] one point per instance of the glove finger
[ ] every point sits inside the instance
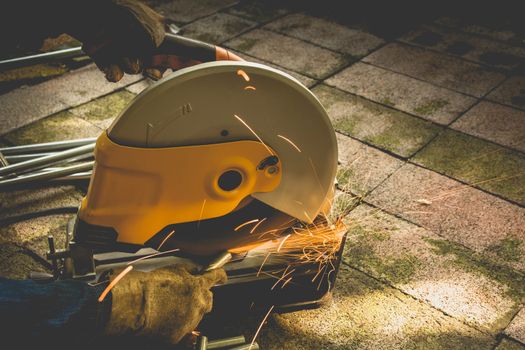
(131, 65)
(113, 72)
(154, 73)
(213, 277)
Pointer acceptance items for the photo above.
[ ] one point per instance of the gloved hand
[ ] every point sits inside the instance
(166, 304)
(121, 35)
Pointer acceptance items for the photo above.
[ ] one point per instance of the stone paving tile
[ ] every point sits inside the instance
(306, 81)
(440, 69)
(327, 34)
(507, 344)
(404, 93)
(362, 167)
(184, 11)
(500, 34)
(260, 11)
(138, 87)
(381, 126)
(58, 127)
(102, 111)
(289, 53)
(516, 329)
(478, 162)
(365, 314)
(33, 233)
(468, 46)
(511, 92)
(27, 104)
(494, 122)
(433, 270)
(460, 213)
(217, 28)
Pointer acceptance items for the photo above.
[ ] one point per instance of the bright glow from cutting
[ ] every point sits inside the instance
(249, 87)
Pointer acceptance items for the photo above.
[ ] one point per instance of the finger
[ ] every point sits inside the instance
(131, 65)
(213, 277)
(154, 73)
(113, 72)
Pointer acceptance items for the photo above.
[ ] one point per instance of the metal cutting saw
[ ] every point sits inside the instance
(223, 156)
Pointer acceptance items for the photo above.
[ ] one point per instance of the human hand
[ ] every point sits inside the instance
(166, 304)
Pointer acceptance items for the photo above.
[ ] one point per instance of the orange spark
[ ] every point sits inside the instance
(260, 326)
(243, 74)
(200, 216)
(245, 223)
(290, 142)
(114, 282)
(286, 282)
(255, 227)
(152, 255)
(282, 242)
(254, 133)
(264, 261)
(165, 239)
(249, 87)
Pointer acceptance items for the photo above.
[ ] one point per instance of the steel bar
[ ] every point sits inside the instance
(44, 176)
(46, 160)
(255, 346)
(17, 158)
(46, 147)
(226, 342)
(46, 57)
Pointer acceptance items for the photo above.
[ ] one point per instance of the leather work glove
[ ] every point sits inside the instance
(118, 35)
(166, 304)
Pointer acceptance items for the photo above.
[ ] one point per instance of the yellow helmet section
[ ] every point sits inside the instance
(139, 191)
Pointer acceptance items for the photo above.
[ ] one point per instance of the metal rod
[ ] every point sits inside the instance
(221, 260)
(52, 159)
(46, 57)
(255, 346)
(17, 158)
(44, 176)
(46, 147)
(226, 342)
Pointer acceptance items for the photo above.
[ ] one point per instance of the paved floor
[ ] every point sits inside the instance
(431, 131)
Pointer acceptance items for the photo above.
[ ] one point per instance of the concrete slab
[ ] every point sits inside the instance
(478, 162)
(139, 86)
(327, 34)
(365, 314)
(440, 69)
(184, 11)
(461, 214)
(384, 127)
(516, 329)
(362, 167)
(102, 111)
(289, 53)
(217, 28)
(440, 273)
(58, 127)
(468, 46)
(260, 11)
(498, 32)
(494, 122)
(404, 93)
(27, 104)
(507, 344)
(511, 92)
(306, 81)
(33, 233)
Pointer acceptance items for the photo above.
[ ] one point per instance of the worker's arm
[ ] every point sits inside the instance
(32, 310)
(166, 304)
